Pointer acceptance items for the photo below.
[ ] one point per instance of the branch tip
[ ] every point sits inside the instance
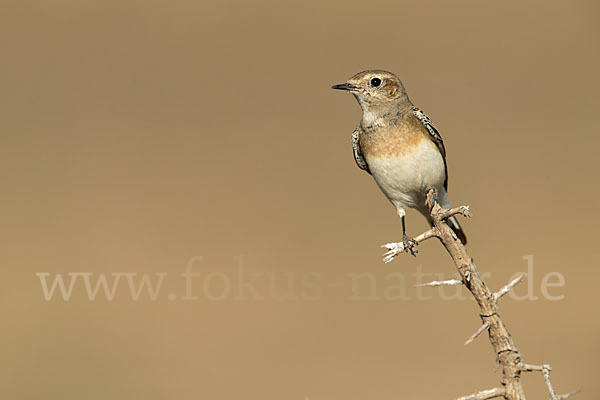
(545, 370)
(567, 395)
(462, 210)
(450, 282)
(395, 249)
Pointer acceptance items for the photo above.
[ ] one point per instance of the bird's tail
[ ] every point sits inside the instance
(453, 223)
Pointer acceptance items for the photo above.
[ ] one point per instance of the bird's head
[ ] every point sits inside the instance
(375, 89)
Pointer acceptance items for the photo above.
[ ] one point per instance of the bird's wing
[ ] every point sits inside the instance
(358, 156)
(434, 135)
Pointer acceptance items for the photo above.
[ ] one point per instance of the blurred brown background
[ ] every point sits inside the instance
(139, 134)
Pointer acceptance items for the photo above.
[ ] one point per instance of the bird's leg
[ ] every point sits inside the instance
(407, 244)
(410, 244)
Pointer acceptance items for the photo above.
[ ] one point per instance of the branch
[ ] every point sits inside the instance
(462, 210)
(508, 355)
(395, 249)
(485, 394)
(545, 370)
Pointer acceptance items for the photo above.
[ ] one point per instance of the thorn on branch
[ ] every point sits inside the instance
(508, 287)
(545, 370)
(567, 395)
(481, 329)
(485, 394)
(450, 282)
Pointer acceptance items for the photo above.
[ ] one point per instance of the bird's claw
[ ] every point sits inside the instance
(410, 245)
(407, 244)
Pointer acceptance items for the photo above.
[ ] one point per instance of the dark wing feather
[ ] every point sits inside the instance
(358, 156)
(434, 135)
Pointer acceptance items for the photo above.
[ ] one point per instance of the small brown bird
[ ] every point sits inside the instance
(400, 147)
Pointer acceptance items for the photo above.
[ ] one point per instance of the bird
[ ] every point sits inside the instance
(401, 148)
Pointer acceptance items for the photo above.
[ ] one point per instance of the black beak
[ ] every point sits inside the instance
(344, 86)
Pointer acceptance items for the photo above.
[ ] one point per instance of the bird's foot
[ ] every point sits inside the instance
(410, 245)
(407, 244)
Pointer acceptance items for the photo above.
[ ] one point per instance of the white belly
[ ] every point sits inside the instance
(404, 179)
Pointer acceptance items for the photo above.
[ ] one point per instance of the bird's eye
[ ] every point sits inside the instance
(375, 82)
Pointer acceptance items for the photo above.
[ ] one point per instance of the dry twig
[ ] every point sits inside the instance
(507, 354)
